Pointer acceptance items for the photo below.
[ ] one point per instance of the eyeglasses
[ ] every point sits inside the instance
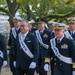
(71, 23)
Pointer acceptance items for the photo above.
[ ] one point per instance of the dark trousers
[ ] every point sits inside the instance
(41, 67)
(11, 60)
(20, 71)
(57, 71)
(0, 69)
(60, 70)
(52, 66)
(1, 63)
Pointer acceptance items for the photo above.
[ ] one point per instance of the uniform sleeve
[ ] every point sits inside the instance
(35, 49)
(49, 55)
(9, 41)
(51, 35)
(72, 51)
(3, 44)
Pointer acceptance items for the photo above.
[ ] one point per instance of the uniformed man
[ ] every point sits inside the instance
(62, 50)
(27, 51)
(12, 42)
(51, 26)
(3, 52)
(43, 37)
(71, 32)
(31, 28)
(51, 29)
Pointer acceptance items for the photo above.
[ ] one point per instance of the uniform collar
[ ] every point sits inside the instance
(17, 29)
(73, 31)
(24, 35)
(60, 38)
(42, 31)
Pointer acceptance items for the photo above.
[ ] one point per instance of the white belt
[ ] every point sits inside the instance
(56, 52)
(67, 34)
(40, 40)
(14, 32)
(24, 47)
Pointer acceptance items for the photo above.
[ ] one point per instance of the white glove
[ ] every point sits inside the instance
(32, 65)
(4, 63)
(46, 67)
(14, 63)
(73, 73)
(7, 51)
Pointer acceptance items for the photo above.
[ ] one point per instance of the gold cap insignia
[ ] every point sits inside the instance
(71, 20)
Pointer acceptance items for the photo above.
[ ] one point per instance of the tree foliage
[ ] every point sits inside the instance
(30, 9)
(48, 9)
(9, 7)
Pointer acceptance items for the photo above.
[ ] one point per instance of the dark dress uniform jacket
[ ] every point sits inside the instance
(73, 36)
(52, 34)
(23, 60)
(46, 36)
(12, 41)
(33, 30)
(3, 49)
(67, 51)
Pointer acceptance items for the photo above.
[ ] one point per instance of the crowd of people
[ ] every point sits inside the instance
(33, 48)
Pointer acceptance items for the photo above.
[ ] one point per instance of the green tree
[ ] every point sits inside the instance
(29, 9)
(9, 7)
(48, 9)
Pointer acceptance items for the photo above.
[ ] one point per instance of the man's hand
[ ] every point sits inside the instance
(46, 67)
(8, 51)
(4, 63)
(14, 63)
(73, 73)
(32, 65)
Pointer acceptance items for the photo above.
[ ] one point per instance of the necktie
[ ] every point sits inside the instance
(40, 32)
(72, 34)
(23, 36)
(58, 41)
(17, 33)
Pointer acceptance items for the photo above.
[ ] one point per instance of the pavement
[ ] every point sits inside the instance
(6, 71)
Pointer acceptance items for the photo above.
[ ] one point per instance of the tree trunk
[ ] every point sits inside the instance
(28, 13)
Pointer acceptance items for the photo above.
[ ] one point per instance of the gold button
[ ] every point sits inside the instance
(55, 63)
